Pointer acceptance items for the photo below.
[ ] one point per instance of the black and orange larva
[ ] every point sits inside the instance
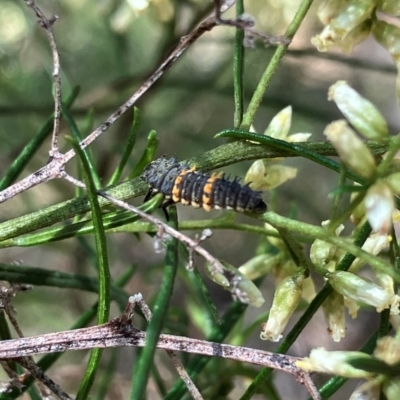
(181, 184)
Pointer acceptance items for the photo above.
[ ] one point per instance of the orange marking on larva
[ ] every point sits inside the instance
(208, 191)
(176, 190)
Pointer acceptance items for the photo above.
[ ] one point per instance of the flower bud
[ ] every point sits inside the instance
(333, 362)
(351, 149)
(391, 7)
(274, 240)
(361, 113)
(379, 204)
(355, 12)
(369, 390)
(352, 307)
(274, 175)
(256, 174)
(358, 289)
(393, 181)
(309, 291)
(286, 299)
(242, 288)
(260, 265)
(280, 124)
(388, 350)
(322, 253)
(333, 308)
(325, 40)
(330, 9)
(298, 137)
(355, 36)
(391, 388)
(373, 245)
(388, 36)
(284, 270)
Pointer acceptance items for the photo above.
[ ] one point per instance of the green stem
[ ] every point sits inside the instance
(142, 369)
(103, 310)
(221, 156)
(238, 69)
(317, 232)
(130, 143)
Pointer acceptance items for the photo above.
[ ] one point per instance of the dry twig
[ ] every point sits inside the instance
(120, 333)
(38, 374)
(192, 244)
(138, 299)
(47, 24)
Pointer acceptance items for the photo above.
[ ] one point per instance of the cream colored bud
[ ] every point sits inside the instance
(351, 149)
(393, 181)
(284, 270)
(355, 36)
(321, 252)
(355, 12)
(329, 9)
(298, 137)
(361, 113)
(385, 281)
(216, 276)
(388, 350)
(352, 307)
(333, 308)
(309, 291)
(329, 38)
(273, 240)
(369, 390)
(391, 388)
(333, 362)
(255, 174)
(325, 40)
(379, 205)
(388, 36)
(358, 214)
(280, 124)
(359, 289)
(244, 290)
(274, 176)
(260, 265)
(373, 245)
(286, 299)
(391, 7)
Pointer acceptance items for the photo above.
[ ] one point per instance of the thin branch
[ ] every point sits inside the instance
(138, 299)
(47, 24)
(164, 228)
(38, 374)
(120, 333)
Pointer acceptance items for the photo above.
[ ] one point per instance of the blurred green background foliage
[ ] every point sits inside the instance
(108, 47)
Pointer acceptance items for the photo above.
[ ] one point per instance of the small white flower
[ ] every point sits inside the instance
(379, 204)
(333, 362)
(286, 299)
(358, 289)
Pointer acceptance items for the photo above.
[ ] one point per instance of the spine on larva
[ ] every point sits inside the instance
(179, 183)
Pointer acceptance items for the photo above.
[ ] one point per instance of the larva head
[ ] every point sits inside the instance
(156, 169)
